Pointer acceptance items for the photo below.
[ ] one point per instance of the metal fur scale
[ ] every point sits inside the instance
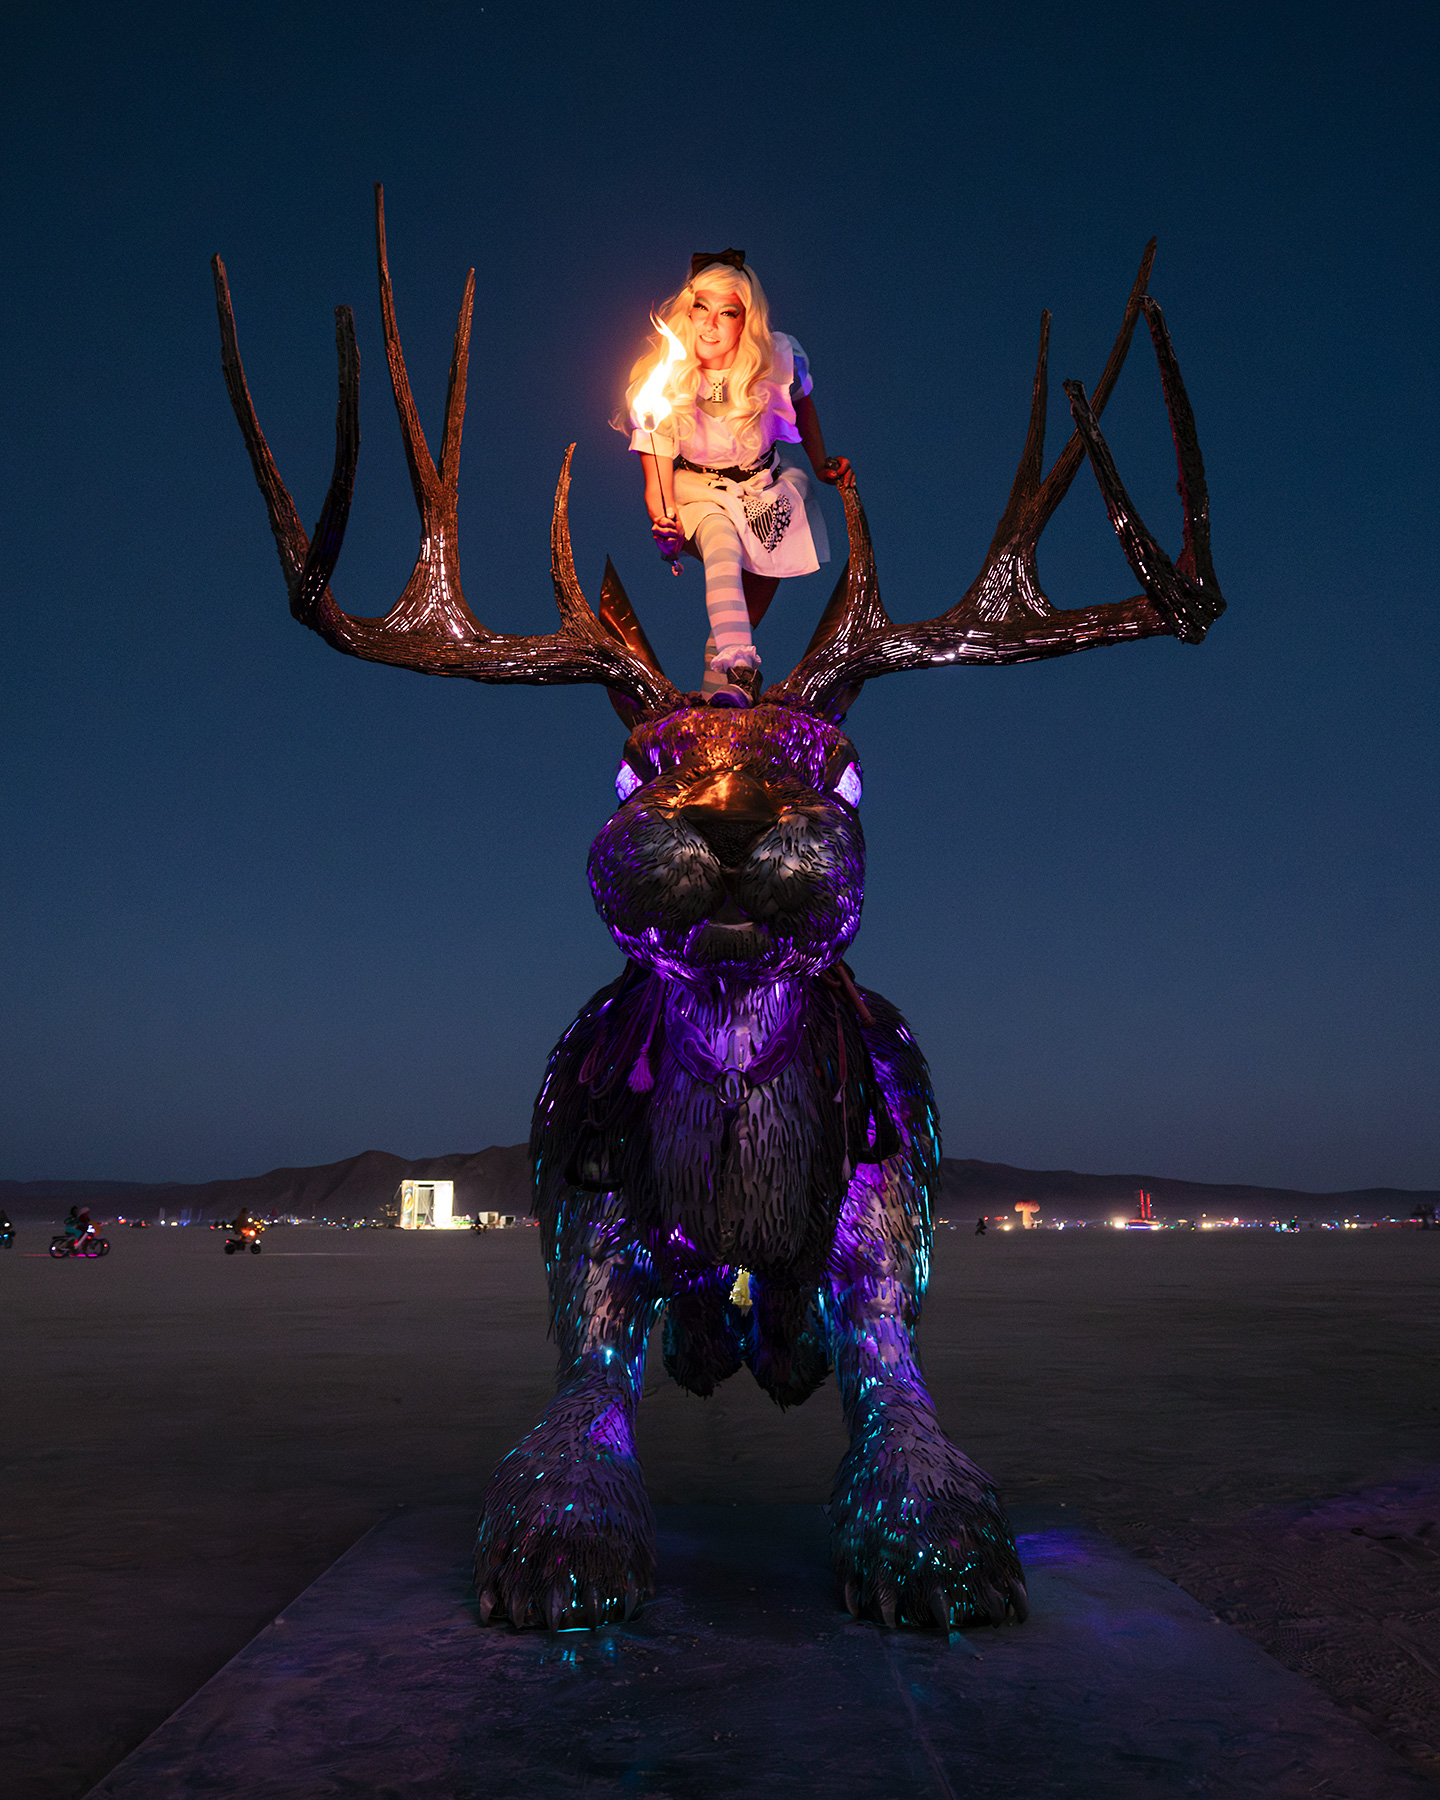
(733, 1102)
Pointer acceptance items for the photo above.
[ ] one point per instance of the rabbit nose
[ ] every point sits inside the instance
(732, 812)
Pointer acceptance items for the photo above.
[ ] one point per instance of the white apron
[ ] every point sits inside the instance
(782, 532)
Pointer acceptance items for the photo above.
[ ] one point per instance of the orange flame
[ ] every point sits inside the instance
(651, 406)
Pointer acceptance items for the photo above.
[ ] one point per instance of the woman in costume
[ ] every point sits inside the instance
(715, 486)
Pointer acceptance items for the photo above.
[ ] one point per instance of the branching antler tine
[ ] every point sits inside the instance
(569, 595)
(832, 619)
(423, 477)
(646, 680)
(312, 604)
(1032, 458)
(618, 617)
(865, 611)
(1008, 585)
(861, 611)
(643, 677)
(455, 391)
(290, 538)
(1110, 374)
(1187, 608)
(1004, 616)
(430, 629)
(854, 608)
(855, 615)
(1194, 558)
(1067, 463)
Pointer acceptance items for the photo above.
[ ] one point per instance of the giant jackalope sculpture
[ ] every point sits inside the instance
(733, 1101)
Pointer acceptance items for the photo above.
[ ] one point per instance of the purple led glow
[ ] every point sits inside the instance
(732, 1101)
(611, 1430)
(678, 894)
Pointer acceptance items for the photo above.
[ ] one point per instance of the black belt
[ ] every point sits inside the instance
(731, 474)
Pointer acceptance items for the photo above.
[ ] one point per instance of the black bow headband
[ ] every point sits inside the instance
(702, 259)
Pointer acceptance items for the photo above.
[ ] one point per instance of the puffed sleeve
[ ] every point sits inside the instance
(660, 443)
(802, 384)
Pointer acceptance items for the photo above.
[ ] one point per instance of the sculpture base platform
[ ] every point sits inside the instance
(743, 1679)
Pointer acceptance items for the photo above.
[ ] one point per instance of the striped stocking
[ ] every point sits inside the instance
(731, 645)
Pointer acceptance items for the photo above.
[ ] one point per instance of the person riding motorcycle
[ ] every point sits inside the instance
(244, 1230)
(79, 1226)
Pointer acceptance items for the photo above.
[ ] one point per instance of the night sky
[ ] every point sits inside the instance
(1154, 908)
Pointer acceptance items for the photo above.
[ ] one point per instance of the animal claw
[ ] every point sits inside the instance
(1019, 1599)
(555, 1609)
(632, 1596)
(852, 1596)
(594, 1607)
(888, 1608)
(939, 1607)
(992, 1607)
(487, 1604)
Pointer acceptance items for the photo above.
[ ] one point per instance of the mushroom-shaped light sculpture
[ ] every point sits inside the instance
(1027, 1210)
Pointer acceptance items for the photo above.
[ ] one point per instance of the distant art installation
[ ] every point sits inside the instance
(734, 1134)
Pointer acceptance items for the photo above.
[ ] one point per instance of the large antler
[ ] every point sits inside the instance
(1004, 615)
(430, 628)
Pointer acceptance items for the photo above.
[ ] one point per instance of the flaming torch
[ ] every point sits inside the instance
(652, 409)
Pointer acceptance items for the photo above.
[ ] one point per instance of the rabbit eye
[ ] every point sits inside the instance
(850, 787)
(842, 773)
(637, 767)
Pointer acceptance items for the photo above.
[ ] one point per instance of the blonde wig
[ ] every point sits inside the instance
(747, 375)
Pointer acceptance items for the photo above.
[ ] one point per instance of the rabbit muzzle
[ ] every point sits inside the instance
(730, 877)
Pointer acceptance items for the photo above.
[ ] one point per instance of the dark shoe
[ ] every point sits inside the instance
(742, 688)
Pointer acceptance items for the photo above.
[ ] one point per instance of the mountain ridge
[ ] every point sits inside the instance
(497, 1179)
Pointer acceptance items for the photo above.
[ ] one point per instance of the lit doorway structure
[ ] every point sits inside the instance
(426, 1205)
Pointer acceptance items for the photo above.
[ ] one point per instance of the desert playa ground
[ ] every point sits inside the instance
(192, 1438)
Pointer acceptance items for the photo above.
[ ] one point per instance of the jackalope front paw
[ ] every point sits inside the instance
(919, 1534)
(567, 1536)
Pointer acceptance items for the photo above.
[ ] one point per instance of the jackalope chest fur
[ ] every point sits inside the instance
(734, 1134)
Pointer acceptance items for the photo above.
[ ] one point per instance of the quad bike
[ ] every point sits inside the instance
(247, 1238)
